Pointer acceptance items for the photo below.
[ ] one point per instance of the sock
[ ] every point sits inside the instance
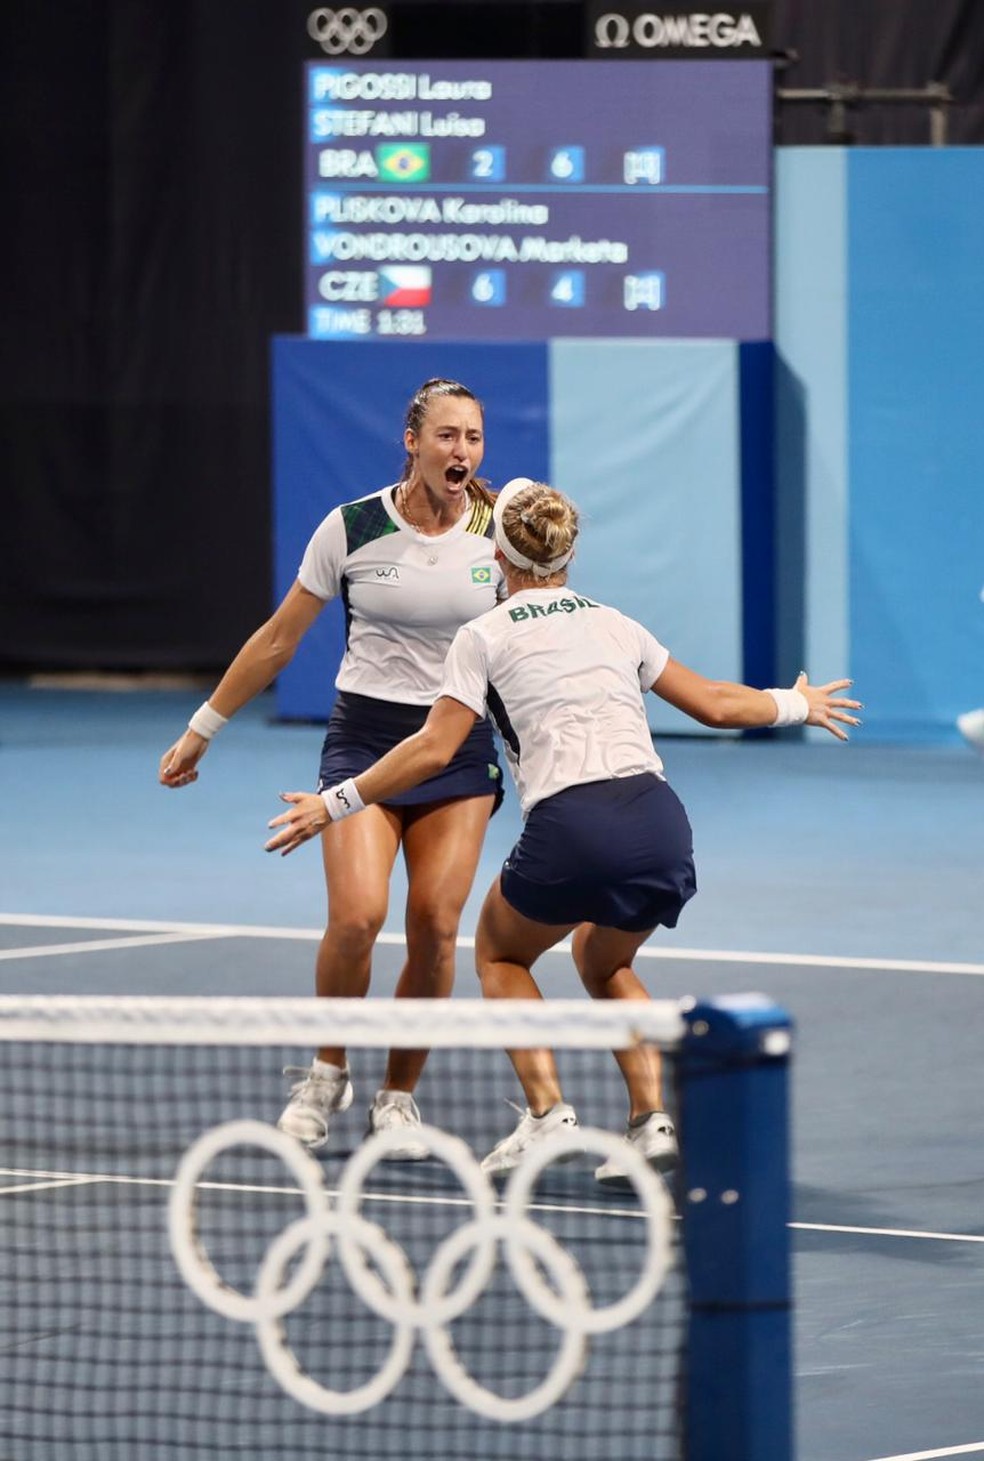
(641, 1120)
(325, 1068)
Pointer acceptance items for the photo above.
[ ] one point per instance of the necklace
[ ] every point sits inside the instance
(405, 509)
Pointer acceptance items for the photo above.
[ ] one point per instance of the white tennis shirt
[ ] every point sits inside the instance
(563, 678)
(404, 593)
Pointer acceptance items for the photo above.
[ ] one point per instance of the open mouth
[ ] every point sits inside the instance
(456, 475)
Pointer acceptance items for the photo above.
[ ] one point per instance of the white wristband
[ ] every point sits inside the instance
(342, 800)
(792, 707)
(207, 722)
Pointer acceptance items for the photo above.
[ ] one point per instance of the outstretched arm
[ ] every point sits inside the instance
(259, 661)
(727, 706)
(414, 760)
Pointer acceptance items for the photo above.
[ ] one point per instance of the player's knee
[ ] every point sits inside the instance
(354, 930)
(433, 925)
(494, 979)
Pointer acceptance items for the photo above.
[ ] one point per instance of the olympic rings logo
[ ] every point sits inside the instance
(387, 1284)
(347, 31)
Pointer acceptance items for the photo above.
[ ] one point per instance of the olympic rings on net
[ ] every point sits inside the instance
(347, 31)
(379, 1272)
(193, 1262)
(456, 1155)
(280, 1358)
(444, 1357)
(654, 1200)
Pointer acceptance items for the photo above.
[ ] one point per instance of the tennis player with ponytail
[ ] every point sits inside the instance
(412, 562)
(606, 849)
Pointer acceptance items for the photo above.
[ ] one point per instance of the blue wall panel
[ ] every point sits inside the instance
(757, 366)
(338, 413)
(645, 436)
(879, 435)
(811, 455)
(916, 363)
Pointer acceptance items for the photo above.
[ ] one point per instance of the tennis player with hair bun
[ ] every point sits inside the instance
(606, 848)
(412, 562)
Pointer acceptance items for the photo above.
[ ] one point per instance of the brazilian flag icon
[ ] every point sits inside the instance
(404, 162)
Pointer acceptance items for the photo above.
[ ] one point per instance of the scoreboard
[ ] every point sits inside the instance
(529, 200)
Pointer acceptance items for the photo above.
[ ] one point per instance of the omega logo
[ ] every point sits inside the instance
(722, 30)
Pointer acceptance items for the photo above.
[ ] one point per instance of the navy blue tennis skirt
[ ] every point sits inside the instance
(618, 853)
(361, 729)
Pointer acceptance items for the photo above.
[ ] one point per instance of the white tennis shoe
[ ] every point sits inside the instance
(321, 1090)
(654, 1138)
(971, 727)
(530, 1130)
(397, 1111)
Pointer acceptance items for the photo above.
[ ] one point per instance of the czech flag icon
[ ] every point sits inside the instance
(405, 286)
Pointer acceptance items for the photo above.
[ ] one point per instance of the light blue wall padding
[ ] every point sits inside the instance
(645, 438)
(811, 461)
(916, 369)
(338, 411)
(879, 428)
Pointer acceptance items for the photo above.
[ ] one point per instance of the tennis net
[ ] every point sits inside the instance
(180, 1279)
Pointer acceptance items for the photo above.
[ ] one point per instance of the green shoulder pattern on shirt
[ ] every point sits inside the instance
(365, 522)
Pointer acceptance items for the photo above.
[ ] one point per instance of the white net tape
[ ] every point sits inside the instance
(374, 1023)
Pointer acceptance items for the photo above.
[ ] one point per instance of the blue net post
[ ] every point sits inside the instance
(734, 1196)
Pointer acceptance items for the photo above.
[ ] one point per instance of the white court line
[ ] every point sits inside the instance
(973, 1449)
(45, 1186)
(707, 956)
(100, 945)
(812, 961)
(444, 1200)
(890, 1232)
(79, 1179)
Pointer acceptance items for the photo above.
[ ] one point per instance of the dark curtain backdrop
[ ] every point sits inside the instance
(882, 43)
(152, 179)
(151, 182)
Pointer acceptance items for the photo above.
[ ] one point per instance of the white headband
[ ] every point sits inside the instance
(516, 558)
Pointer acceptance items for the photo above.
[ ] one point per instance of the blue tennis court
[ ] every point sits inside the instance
(842, 882)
